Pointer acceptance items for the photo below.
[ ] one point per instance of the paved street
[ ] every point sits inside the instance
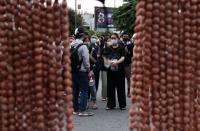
(112, 120)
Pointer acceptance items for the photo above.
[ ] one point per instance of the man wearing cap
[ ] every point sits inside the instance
(80, 78)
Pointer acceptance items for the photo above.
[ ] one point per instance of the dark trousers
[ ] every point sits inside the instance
(80, 85)
(96, 75)
(116, 80)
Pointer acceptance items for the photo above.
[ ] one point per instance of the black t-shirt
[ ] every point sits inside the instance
(117, 53)
(104, 52)
(128, 52)
(94, 51)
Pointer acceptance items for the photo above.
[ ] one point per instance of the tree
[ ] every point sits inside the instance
(124, 17)
(72, 21)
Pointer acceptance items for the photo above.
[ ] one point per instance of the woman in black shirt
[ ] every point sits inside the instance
(116, 75)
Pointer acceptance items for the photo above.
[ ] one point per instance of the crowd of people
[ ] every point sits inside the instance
(91, 57)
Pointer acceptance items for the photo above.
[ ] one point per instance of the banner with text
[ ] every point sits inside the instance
(100, 17)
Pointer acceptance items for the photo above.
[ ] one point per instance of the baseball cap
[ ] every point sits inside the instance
(79, 32)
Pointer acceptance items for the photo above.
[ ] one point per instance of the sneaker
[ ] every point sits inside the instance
(103, 99)
(122, 108)
(110, 108)
(75, 113)
(86, 114)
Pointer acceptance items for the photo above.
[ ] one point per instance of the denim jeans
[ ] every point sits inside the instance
(93, 90)
(80, 85)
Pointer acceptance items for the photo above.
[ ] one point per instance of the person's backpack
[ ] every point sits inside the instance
(75, 59)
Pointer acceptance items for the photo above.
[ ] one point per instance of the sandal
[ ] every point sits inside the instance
(94, 105)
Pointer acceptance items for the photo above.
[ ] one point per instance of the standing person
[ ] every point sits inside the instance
(128, 45)
(95, 54)
(116, 75)
(80, 69)
(104, 49)
(92, 87)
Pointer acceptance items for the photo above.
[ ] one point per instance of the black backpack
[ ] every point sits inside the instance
(75, 59)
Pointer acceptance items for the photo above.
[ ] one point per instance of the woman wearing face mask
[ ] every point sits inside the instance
(116, 75)
(92, 88)
(95, 55)
(105, 50)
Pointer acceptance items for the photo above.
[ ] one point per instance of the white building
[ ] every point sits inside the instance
(88, 19)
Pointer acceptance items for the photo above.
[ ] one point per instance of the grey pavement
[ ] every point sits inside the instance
(103, 120)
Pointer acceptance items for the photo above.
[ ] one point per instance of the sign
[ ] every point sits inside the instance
(100, 17)
(79, 6)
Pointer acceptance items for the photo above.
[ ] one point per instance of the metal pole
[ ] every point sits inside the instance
(115, 3)
(75, 14)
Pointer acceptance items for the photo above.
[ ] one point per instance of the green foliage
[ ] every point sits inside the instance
(90, 32)
(124, 17)
(72, 21)
(106, 33)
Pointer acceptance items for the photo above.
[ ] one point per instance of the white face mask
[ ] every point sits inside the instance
(93, 40)
(114, 42)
